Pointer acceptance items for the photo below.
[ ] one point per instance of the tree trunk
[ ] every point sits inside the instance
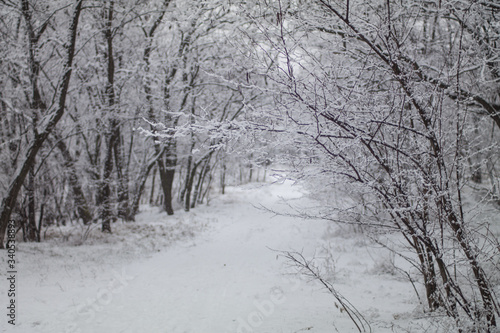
(9, 200)
(191, 174)
(122, 175)
(114, 130)
(40, 221)
(37, 107)
(166, 179)
(429, 274)
(31, 226)
(105, 188)
(143, 177)
(207, 189)
(82, 207)
(170, 164)
(189, 187)
(201, 178)
(166, 164)
(250, 166)
(223, 178)
(182, 197)
(151, 195)
(489, 301)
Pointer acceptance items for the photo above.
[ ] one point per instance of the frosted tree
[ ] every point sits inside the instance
(388, 97)
(46, 125)
(201, 94)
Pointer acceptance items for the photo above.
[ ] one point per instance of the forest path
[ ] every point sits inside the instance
(224, 279)
(228, 280)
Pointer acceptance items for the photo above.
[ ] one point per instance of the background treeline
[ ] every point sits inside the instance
(87, 87)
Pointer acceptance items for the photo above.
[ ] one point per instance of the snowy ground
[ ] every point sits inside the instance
(212, 270)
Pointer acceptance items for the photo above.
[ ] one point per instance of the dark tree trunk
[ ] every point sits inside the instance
(106, 213)
(31, 226)
(151, 195)
(191, 174)
(250, 166)
(489, 301)
(122, 175)
(141, 181)
(82, 207)
(10, 198)
(189, 186)
(114, 130)
(40, 221)
(201, 178)
(207, 189)
(427, 266)
(223, 178)
(37, 107)
(166, 164)
(137, 197)
(182, 197)
(167, 180)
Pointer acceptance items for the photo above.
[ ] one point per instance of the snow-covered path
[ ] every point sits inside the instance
(225, 279)
(213, 286)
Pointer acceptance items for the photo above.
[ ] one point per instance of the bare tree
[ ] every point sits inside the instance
(354, 83)
(46, 126)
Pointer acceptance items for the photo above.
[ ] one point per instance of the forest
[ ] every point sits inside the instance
(107, 106)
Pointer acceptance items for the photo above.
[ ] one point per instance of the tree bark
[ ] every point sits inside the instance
(82, 207)
(114, 130)
(105, 188)
(151, 195)
(189, 186)
(37, 107)
(223, 178)
(166, 164)
(428, 273)
(167, 179)
(31, 226)
(199, 184)
(191, 173)
(51, 121)
(122, 175)
(141, 181)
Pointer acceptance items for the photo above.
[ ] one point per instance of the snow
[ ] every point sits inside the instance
(216, 269)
